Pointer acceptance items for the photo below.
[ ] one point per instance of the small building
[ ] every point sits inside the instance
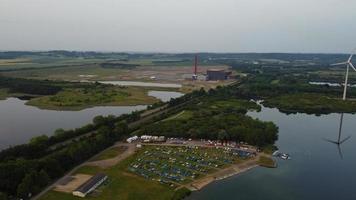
(132, 139)
(216, 74)
(90, 185)
(152, 138)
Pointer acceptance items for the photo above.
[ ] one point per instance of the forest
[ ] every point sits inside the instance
(218, 115)
(28, 86)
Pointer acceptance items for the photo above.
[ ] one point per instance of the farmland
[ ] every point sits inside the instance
(96, 66)
(91, 66)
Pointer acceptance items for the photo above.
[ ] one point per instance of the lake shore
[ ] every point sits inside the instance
(233, 170)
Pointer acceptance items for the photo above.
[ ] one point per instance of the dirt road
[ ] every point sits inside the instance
(113, 161)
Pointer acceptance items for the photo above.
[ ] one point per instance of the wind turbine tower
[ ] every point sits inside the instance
(348, 64)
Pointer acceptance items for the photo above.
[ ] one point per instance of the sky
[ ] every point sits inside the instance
(299, 26)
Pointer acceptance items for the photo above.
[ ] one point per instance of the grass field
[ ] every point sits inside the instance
(127, 184)
(233, 103)
(109, 153)
(185, 114)
(81, 98)
(121, 185)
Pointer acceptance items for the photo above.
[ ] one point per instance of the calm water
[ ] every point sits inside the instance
(144, 84)
(164, 95)
(316, 170)
(19, 122)
(330, 84)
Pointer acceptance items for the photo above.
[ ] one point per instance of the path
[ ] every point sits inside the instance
(113, 161)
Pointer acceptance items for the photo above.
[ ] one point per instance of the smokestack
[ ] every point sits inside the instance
(196, 65)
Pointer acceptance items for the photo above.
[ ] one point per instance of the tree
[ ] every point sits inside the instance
(222, 136)
(25, 187)
(39, 140)
(3, 196)
(42, 179)
(98, 120)
(59, 132)
(52, 167)
(121, 128)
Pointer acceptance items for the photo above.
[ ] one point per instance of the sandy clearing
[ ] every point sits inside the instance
(73, 184)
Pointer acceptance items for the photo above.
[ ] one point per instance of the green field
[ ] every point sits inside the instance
(185, 114)
(109, 153)
(81, 98)
(233, 104)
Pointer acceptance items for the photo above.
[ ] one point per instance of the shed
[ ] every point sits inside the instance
(90, 185)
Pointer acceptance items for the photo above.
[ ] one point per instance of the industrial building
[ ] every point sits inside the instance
(217, 74)
(90, 185)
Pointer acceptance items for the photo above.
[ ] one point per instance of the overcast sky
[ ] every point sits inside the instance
(179, 25)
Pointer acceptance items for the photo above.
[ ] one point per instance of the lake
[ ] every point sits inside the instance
(20, 122)
(164, 96)
(330, 84)
(142, 84)
(316, 170)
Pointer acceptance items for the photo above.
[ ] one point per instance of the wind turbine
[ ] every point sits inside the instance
(348, 64)
(339, 141)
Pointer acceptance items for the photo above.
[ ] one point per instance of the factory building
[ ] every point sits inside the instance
(217, 74)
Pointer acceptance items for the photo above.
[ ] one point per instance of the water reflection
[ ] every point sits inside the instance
(339, 141)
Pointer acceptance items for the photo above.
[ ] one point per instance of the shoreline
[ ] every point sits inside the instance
(222, 174)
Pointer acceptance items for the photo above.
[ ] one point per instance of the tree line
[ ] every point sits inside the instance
(28, 86)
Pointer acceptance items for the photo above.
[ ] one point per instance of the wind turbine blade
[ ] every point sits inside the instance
(340, 152)
(353, 67)
(331, 141)
(344, 140)
(342, 63)
(349, 60)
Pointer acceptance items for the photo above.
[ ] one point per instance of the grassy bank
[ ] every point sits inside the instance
(81, 98)
(3, 94)
(267, 161)
(311, 103)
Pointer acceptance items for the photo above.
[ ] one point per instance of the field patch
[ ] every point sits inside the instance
(185, 114)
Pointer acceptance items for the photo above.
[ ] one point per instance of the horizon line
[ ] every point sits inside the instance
(173, 52)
